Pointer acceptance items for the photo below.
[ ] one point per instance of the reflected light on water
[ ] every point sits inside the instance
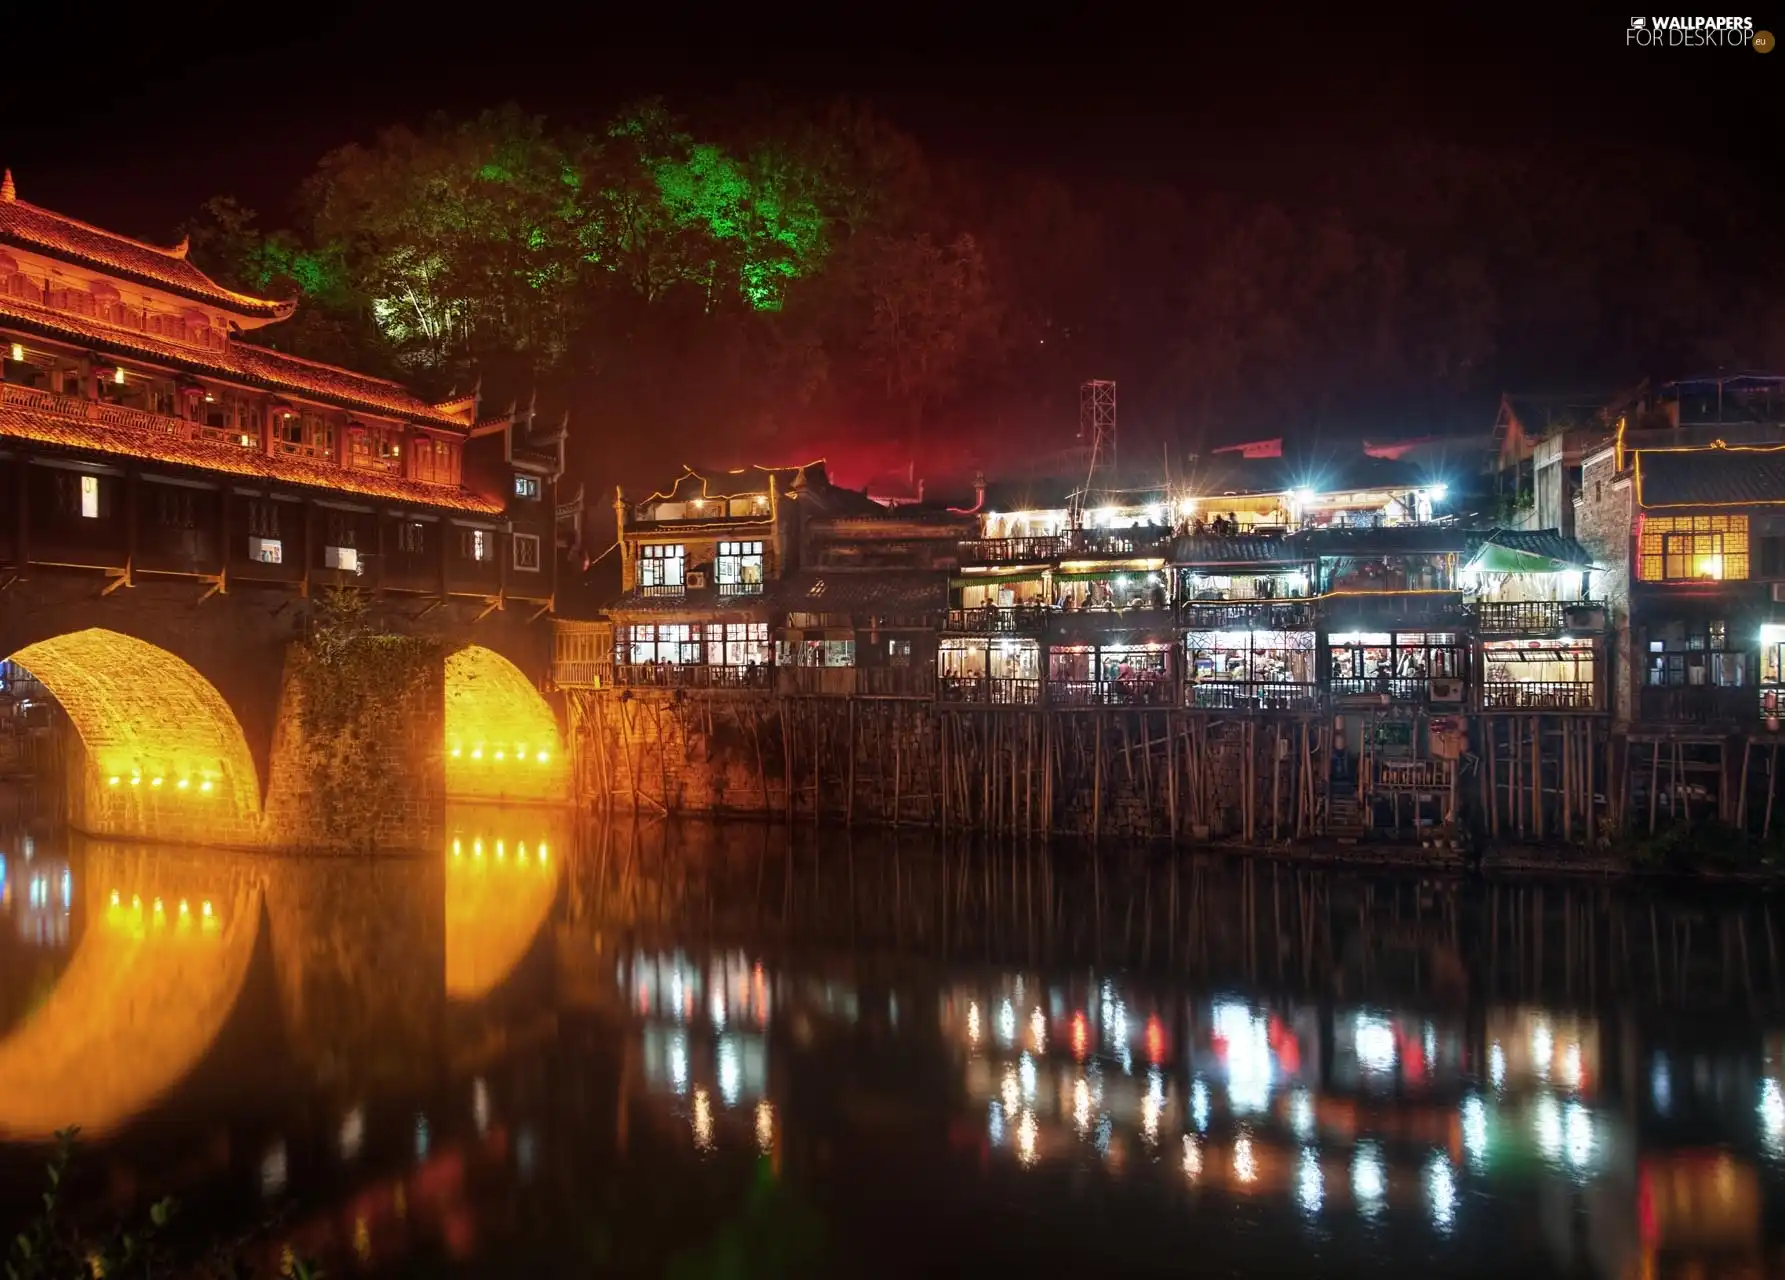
(1249, 1067)
(1308, 1182)
(1245, 1163)
(972, 1023)
(729, 1071)
(1375, 1040)
(765, 1126)
(353, 1133)
(1571, 1075)
(1081, 1036)
(1081, 1106)
(1199, 1104)
(1192, 1157)
(1581, 1139)
(1026, 1075)
(272, 1170)
(1026, 1133)
(1011, 1092)
(1369, 1183)
(1301, 1114)
(701, 1121)
(1038, 1030)
(995, 1125)
(1543, 1048)
(480, 1105)
(1548, 1122)
(1661, 1086)
(1007, 1024)
(1152, 1105)
(1475, 1129)
(1497, 1066)
(1772, 1116)
(1442, 1189)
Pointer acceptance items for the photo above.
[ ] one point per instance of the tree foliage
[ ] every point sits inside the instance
(774, 278)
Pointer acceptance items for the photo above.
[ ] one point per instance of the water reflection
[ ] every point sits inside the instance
(447, 1055)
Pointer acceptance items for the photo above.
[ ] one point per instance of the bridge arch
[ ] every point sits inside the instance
(502, 739)
(164, 755)
(166, 948)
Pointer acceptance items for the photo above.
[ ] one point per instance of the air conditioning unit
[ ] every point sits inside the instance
(1447, 691)
(1779, 593)
(266, 550)
(341, 558)
(697, 580)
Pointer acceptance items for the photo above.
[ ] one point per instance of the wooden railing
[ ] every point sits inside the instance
(1145, 692)
(1398, 688)
(1390, 608)
(1246, 615)
(1238, 695)
(1520, 617)
(107, 415)
(1697, 704)
(692, 675)
(1035, 550)
(1021, 619)
(739, 588)
(1538, 695)
(986, 691)
(583, 674)
(1117, 542)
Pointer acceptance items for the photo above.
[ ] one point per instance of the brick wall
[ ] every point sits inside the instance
(1603, 521)
(379, 783)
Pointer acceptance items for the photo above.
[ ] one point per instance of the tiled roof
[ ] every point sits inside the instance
(30, 227)
(1196, 548)
(169, 449)
(1710, 477)
(1548, 543)
(242, 362)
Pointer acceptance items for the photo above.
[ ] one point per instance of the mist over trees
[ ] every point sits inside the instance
(772, 283)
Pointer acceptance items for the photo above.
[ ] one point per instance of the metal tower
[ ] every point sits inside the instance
(1097, 429)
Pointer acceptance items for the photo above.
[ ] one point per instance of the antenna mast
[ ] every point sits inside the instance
(1096, 431)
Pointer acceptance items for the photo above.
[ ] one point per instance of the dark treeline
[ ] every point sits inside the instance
(768, 283)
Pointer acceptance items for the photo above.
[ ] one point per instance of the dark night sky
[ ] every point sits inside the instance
(172, 108)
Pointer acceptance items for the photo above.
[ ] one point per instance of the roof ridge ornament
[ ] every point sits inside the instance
(8, 192)
(181, 249)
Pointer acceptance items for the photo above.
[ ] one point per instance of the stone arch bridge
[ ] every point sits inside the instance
(188, 730)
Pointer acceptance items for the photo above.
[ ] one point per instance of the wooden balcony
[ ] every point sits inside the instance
(986, 691)
(1720, 705)
(1539, 695)
(1240, 695)
(1389, 610)
(1246, 615)
(895, 682)
(1116, 543)
(1398, 689)
(1004, 551)
(95, 411)
(1538, 617)
(1003, 620)
(1143, 692)
(693, 675)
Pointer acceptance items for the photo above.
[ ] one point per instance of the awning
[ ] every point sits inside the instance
(1497, 559)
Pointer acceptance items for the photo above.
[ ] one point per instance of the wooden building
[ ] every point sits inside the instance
(142, 434)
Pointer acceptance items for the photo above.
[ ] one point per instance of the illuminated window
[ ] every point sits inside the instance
(739, 644)
(661, 566)
(526, 486)
(89, 497)
(476, 544)
(412, 537)
(738, 568)
(1693, 549)
(526, 551)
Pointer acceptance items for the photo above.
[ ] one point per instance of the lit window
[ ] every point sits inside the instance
(474, 544)
(738, 567)
(526, 551)
(526, 486)
(1693, 549)
(89, 497)
(661, 565)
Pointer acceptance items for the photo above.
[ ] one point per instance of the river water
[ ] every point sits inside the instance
(682, 1049)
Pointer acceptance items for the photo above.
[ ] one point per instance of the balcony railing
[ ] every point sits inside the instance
(1021, 619)
(988, 691)
(1037, 550)
(1398, 688)
(1522, 617)
(662, 589)
(1154, 691)
(1393, 608)
(739, 588)
(1246, 615)
(582, 674)
(109, 415)
(1538, 695)
(1238, 695)
(692, 675)
(1697, 704)
(1117, 542)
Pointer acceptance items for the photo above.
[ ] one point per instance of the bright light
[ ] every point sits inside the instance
(1187, 507)
(1580, 1135)
(765, 1126)
(1375, 1041)
(1772, 1116)
(1301, 1114)
(1441, 1184)
(1152, 1105)
(1474, 1128)
(1155, 514)
(1308, 1181)
(1026, 1073)
(1192, 1157)
(973, 1023)
(1245, 1164)
(1199, 1104)
(1081, 1106)
(1006, 1024)
(1303, 497)
(1368, 1182)
(1025, 1139)
(702, 1120)
(1038, 1030)
(1438, 492)
(1497, 1066)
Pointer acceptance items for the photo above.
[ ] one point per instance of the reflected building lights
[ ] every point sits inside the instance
(1081, 1036)
(1548, 1122)
(1543, 1048)
(995, 1125)
(1026, 1133)
(1497, 1067)
(1442, 1189)
(1026, 1076)
(1081, 1106)
(1006, 1024)
(1152, 1106)
(273, 1170)
(1571, 1075)
(1245, 1162)
(1192, 1157)
(1581, 1140)
(1011, 1092)
(1369, 1183)
(729, 1071)
(1661, 1086)
(1309, 1183)
(1375, 1045)
(422, 1137)
(480, 1105)
(678, 1063)
(1301, 1115)
(353, 1133)
(1199, 1105)
(702, 1121)
(1038, 1030)
(765, 1126)
(972, 1023)
(1475, 1129)
(1772, 1116)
